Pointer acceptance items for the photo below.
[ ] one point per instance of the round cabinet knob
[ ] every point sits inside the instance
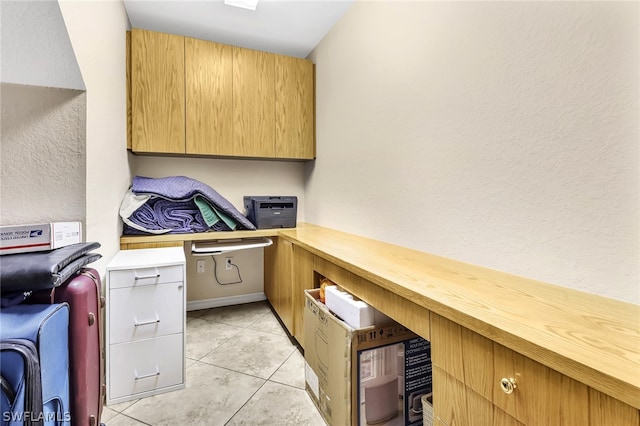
(508, 385)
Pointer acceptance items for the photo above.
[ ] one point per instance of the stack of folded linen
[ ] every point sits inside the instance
(179, 205)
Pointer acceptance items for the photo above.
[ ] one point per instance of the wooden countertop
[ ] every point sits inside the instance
(592, 339)
(589, 338)
(200, 236)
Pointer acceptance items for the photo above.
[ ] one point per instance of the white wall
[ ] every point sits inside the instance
(503, 134)
(97, 30)
(233, 179)
(35, 47)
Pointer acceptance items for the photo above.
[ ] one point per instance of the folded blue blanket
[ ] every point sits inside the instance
(173, 206)
(179, 216)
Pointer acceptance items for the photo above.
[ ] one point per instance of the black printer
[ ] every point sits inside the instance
(271, 212)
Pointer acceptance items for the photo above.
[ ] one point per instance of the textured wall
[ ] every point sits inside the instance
(97, 32)
(42, 154)
(35, 46)
(503, 134)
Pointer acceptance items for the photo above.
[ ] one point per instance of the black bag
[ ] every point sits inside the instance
(41, 270)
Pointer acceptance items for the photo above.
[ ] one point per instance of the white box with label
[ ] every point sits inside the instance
(39, 237)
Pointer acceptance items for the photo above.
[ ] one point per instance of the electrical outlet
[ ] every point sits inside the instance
(227, 262)
(200, 266)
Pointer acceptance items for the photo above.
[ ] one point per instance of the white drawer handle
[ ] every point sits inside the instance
(136, 323)
(146, 376)
(508, 385)
(146, 277)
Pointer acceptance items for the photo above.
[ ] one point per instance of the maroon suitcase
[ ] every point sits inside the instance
(83, 293)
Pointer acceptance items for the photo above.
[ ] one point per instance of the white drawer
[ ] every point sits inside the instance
(145, 365)
(137, 277)
(145, 312)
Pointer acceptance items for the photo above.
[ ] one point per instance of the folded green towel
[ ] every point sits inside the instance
(208, 213)
(212, 215)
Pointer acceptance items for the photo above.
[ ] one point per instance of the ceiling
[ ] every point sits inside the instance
(288, 27)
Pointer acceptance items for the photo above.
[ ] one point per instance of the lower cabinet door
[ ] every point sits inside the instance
(456, 405)
(302, 280)
(541, 396)
(605, 410)
(145, 365)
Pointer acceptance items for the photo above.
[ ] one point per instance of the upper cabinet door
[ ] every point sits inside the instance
(294, 91)
(253, 103)
(157, 92)
(209, 83)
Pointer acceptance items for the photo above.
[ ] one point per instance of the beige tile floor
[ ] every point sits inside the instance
(242, 369)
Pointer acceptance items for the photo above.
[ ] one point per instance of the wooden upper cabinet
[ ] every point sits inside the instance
(198, 97)
(157, 92)
(209, 97)
(253, 103)
(294, 97)
(128, 89)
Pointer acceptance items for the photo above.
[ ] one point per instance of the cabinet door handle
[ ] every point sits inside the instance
(154, 321)
(146, 376)
(508, 385)
(146, 277)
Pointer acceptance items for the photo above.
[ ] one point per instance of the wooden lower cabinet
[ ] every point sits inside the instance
(288, 272)
(605, 410)
(457, 404)
(277, 280)
(302, 280)
(463, 354)
(468, 371)
(543, 396)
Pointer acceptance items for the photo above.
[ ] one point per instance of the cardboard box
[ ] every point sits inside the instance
(393, 372)
(427, 409)
(39, 237)
(389, 365)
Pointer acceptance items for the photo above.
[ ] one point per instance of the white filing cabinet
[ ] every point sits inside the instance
(145, 323)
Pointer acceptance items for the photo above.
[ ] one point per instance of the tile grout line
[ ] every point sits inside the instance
(263, 384)
(250, 375)
(247, 401)
(129, 417)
